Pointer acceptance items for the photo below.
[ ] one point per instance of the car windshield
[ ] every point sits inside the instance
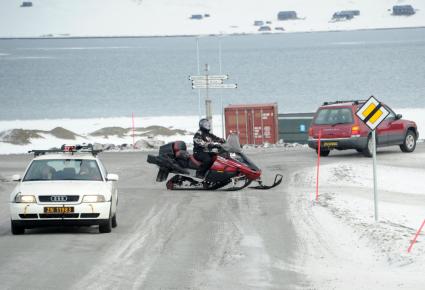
(63, 169)
(334, 116)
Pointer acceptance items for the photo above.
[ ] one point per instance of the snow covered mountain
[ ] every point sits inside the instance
(173, 17)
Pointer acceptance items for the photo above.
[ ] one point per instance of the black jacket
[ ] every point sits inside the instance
(204, 141)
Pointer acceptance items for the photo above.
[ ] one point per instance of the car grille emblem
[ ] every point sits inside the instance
(58, 198)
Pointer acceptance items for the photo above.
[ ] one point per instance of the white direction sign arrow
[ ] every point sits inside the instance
(204, 82)
(215, 86)
(211, 77)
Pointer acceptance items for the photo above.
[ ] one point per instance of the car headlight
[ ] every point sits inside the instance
(93, 198)
(25, 198)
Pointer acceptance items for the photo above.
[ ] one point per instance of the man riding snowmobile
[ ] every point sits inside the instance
(203, 142)
(231, 169)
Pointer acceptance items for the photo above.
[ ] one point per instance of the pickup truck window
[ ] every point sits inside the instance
(334, 116)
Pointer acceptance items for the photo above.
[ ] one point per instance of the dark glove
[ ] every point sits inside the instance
(218, 146)
(214, 145)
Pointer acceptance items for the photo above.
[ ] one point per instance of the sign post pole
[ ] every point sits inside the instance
(208, 82)
(199, 72)
(208, 112)
(372, 113)
(375, 183)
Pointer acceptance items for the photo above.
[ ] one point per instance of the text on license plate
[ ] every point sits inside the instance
(330, 144)
(68, 209)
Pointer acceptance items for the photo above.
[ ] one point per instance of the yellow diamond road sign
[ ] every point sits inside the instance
(372, 113)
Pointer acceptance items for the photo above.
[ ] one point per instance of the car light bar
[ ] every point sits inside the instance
(68, 149)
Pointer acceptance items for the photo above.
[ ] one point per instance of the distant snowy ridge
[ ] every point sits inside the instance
(65, 18)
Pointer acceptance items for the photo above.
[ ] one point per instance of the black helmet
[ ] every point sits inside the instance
(204, 125)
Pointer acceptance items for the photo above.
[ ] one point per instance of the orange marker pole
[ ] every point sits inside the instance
(132, 117)
(416, 237)
(318, 165)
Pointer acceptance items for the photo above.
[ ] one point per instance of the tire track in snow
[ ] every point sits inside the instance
(240, 250)
(127, 262)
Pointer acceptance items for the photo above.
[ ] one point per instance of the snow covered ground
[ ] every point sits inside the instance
(65, 18)
(339, 245)
(344, 248)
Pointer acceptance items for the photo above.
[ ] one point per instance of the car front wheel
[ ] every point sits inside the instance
(16, 229)
(106, 227)
(114, 221)
(409, 143)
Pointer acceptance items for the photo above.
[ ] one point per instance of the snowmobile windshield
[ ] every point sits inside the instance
(248, 162)
(232, 144)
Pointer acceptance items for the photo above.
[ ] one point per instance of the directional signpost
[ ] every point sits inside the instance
(204, 82)
(210, 77)
(214, 86)
(210, 82)
(372, 113)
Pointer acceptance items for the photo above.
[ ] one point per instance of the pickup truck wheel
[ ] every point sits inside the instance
(15, 229)
(409, 143)
(323, 152)
(368, 150)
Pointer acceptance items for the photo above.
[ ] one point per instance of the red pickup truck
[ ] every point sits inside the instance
(341, 129)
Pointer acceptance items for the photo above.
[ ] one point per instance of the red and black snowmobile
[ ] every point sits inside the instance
(231, 169)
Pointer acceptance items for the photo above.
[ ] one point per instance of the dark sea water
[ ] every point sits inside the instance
(83, 78)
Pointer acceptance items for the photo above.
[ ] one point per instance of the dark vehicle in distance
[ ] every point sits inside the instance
(287, 15)
(26, 4)
(264, 29)
(196, 16)
(345, 14)
(403, 10)
(341, 129)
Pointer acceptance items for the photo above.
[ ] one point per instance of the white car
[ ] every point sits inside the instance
(64, 187)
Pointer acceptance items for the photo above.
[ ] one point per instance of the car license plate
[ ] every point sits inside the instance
(330, 144)
(67, 209)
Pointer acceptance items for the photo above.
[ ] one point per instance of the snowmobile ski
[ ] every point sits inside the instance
(277, 180)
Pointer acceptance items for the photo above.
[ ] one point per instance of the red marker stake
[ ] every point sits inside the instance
(132, 117)
(318, 165)
(416, 236)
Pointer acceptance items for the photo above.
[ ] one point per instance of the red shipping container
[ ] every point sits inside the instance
(254, 123)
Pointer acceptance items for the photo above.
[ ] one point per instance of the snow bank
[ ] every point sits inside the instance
(343, 247)
(66, 18)
(84, 128)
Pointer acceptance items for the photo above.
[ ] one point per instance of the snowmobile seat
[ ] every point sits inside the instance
(183, 157)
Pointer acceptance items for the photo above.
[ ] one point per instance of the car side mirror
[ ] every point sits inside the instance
(112, 177)
(398, 116)
(16, 177)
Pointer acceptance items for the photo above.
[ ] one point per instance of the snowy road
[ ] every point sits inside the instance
(169, 240)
